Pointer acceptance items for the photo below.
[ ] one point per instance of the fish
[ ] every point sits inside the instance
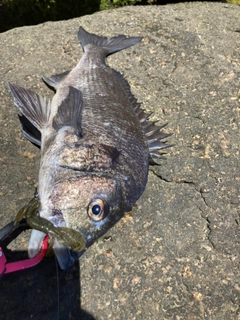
(96, 145)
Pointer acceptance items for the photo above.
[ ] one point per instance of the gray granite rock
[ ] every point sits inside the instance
(176, 255)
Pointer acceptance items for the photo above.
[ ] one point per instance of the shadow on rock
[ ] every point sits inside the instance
(42, 292)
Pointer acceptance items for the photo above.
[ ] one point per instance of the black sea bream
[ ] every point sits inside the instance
(96, 143)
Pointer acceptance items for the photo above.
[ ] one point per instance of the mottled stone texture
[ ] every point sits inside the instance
(176, 255)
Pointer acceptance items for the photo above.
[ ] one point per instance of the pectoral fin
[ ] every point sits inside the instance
(70, 111)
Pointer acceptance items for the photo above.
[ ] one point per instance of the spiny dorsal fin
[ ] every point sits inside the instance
(154, 136)
(32, 106)
(110, 45)
(153, 133)
(55, 79)
(126, 88)
(70, 111)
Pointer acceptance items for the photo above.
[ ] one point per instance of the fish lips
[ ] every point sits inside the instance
(65, 256)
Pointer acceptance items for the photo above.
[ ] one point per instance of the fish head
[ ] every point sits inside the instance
(90, 204)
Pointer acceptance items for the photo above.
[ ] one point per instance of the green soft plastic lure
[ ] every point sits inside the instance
(67, 236)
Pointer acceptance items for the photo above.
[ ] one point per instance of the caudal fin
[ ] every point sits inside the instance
(110, 45)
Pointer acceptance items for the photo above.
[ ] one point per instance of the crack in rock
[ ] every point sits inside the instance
(204, 199)
(208, 222)
(176, 180)
(159, 176)
(209, 232)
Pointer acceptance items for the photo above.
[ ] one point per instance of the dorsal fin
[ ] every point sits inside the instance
(33, 106)
(126, 88)
(153, 132)
(110, 45)
(70, 111)
(154, 136)
(55, 79)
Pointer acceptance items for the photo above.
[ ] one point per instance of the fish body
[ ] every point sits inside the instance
(96, 143)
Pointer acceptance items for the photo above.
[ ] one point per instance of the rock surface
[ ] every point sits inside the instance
(176, 256)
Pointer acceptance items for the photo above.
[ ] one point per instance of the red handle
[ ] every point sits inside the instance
(22, 264)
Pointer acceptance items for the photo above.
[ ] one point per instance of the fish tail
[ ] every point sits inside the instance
(110, 45)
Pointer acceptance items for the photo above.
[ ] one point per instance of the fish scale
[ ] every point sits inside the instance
(96, 143)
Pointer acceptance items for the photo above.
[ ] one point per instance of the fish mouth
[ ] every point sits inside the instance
(64, 253)
(66, 257)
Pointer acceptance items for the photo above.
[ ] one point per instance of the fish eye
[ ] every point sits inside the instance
(98, 209)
